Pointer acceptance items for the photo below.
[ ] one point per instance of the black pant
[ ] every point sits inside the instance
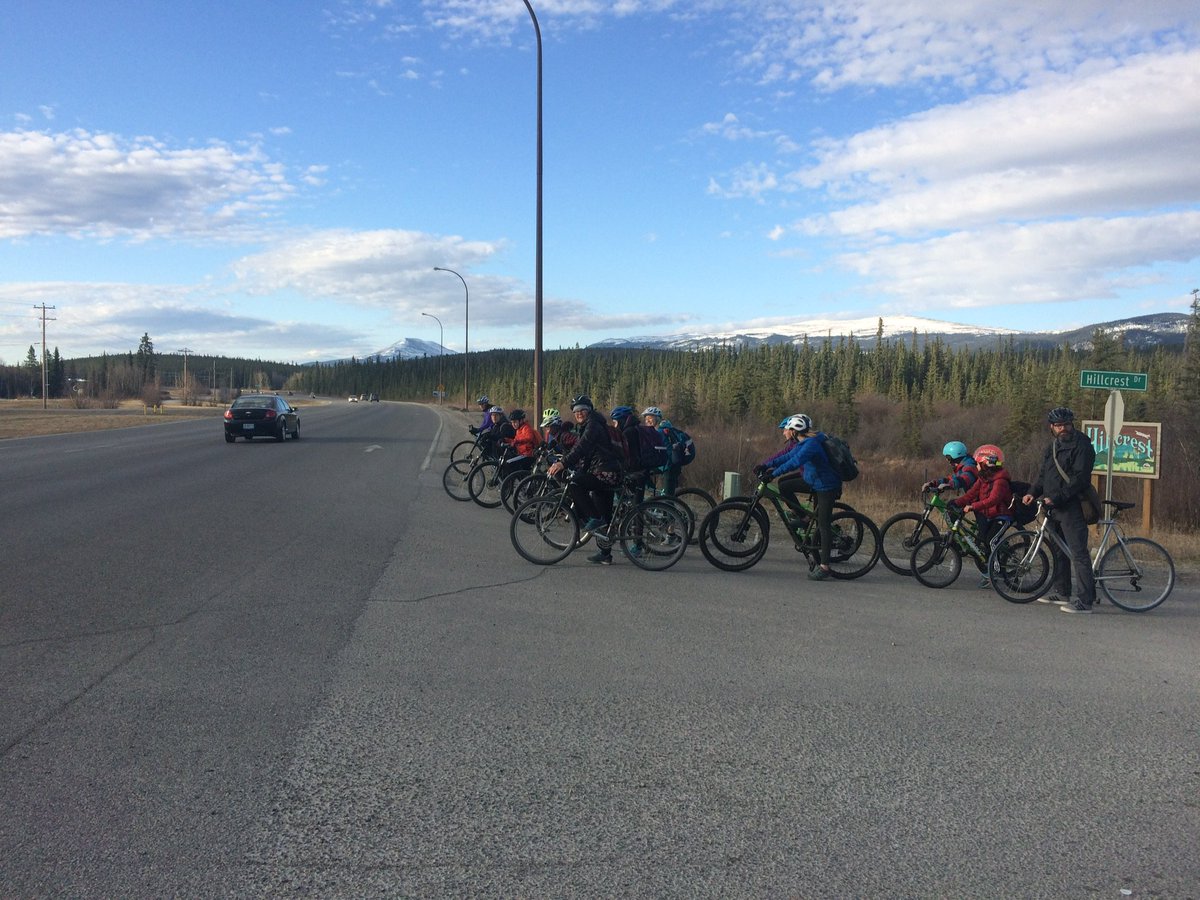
(791, 485)
(1067, 522)
(593, 498)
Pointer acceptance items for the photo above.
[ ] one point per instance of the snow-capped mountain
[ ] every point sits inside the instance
(1165, 329)
(411, 348)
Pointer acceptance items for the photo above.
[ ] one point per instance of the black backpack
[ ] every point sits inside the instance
(1021, 514)
(841, 458)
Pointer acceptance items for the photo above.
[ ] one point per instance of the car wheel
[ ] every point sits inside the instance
(281, 433)
(229, 438)
(296, 431)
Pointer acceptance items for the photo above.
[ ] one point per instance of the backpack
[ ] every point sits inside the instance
(620, 448)
(1021, 514)
(841, 458)
(681, 449)
(651, 450)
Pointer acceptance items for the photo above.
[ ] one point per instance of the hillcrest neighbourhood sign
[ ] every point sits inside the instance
(1113, 381)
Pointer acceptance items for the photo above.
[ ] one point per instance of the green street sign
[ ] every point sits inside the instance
(1113, 381)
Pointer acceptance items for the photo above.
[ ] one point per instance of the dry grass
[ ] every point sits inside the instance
(26, 418)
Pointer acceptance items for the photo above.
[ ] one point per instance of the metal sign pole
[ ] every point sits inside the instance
(1114, 421)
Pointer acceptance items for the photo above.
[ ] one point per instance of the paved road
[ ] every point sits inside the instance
(301, 669)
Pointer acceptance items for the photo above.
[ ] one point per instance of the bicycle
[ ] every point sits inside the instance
(514, 490)
(467, 449)
(652, 534)
(937, 561)
(735, 535)
(456, 478)
(695, 502)
(900, 534)
(484, 479)
(1134, 573)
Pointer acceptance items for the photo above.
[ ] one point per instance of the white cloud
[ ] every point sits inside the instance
(80, 183)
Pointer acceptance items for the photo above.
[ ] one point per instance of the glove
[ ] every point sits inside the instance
(767, 474)
(473, 429)
(758, 470)
(928, 486)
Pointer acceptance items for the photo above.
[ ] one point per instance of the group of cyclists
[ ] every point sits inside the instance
(586, 446)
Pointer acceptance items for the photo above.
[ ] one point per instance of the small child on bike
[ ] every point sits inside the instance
(989, 497)
(963, 470)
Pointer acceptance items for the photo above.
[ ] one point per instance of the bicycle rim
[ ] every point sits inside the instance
(462, 450)
(1019, 574)
(654, 535)
(854, 548)
(1136, 577)
(699, 503)
(936, 564)
(734, 536)
(543, 530)
(899, 535)
(454, 480)
(484, 485)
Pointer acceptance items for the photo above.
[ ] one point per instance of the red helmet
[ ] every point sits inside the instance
(989, 455)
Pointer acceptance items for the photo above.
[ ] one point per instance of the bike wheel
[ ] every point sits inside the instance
(484, 485)
(1137, 576)
(655, 534)
(899, 535)
(854, 549)
(734, 536)
(509, 486)
(462, 450)
(1018, 573)
(544, 530)
(534, 486)
(936, 562)
(454, 480)
(699, 504)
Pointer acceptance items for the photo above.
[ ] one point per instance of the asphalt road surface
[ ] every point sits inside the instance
(301, 669)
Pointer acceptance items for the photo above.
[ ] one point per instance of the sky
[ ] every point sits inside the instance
(279, 181)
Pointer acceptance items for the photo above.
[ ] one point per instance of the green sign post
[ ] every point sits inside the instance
(1113, 381)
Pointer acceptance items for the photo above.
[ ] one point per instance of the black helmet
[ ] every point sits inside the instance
(1059, 415)
(583, 401)
(516, 415)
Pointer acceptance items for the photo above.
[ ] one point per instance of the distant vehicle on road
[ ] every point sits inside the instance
(353, 398)
(374, 398)
(261, 415)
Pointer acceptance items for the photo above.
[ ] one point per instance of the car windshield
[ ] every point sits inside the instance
(254, 402)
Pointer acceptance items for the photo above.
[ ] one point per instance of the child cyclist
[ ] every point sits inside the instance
(963, 469)
(989, 497)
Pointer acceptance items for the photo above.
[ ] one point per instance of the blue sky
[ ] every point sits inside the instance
(280, 181)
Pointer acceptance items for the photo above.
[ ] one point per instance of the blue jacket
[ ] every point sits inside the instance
(810, 456)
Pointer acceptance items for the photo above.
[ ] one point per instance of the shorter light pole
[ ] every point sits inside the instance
(441, 350)
(466, 331)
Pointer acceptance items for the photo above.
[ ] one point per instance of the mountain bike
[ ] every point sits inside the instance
(468, 450)
(486, 476)
(652, 533)
(456, 479)
(900, 534)
(735, 535)
(1134, 573)
(937, 561)
(514, 491)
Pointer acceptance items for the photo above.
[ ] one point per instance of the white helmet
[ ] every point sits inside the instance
(799, 423)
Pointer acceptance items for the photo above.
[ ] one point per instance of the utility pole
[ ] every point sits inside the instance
(185, 351)
(43, 308)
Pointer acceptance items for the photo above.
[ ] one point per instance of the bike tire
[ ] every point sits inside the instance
(454, 480)
(462, 450)
(855, 546)
(1137, 577)
(899, 535)
(654, 535)
(699, 504)
(544, 530)
(735, 535)
(509, 486)
(484, 485)
(1017, 575)
(936, 562)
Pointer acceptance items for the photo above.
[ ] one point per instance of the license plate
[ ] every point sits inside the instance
(248, 426)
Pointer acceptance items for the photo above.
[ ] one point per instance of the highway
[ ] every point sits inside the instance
(301, 669)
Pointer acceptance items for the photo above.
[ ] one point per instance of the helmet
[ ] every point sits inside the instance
(484, 400)
(516, 415)
(495, 409)
(583, 401)
(652, 411)
(552, 422)
(619, 413)
(799, 423)
(550, 412)
(954, 451)
(989, 456)
(1060, 414)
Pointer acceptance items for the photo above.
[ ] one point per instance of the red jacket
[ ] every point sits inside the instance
(526, 439)
(990, 495)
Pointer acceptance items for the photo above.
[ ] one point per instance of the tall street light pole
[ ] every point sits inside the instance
(466, 332)
(537, 290)
(441, 350)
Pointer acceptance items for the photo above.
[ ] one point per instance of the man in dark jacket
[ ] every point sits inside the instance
(1065, 473)
(599, 472)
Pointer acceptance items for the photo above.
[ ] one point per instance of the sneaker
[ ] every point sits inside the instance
(819, 574)
(1051, 598)
(1075, 607)
(603, 558)
(985, 582)
(594, 524)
